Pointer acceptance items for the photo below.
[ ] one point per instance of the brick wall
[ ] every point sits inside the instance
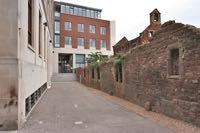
(146, 74)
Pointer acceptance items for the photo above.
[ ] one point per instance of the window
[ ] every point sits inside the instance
(80, 27)
(87, 13)
(57, 27)
(45, 45)
(84, 12)
(92, 14)
(118, 72)
(80, 60)
(174, 62)
(57, 14)
(92, 73)
(98, 72)
(80, 11)
(57, 41)
(63, 9)
(156, 17)
(30, 31)
(103, 43)
(91, 28)
(67, 9)
(75, 11)
(92, 43)
(95, 14)
(40, 34)
(71, 10)
(151, 33)
(68, 26)
(103, 30)
(80, 41)
(68, 40)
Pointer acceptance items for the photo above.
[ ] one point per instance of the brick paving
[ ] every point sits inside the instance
(69, 107)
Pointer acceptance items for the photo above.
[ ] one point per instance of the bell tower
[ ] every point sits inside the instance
(155, 17)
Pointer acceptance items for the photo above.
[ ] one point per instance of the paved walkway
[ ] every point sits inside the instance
(70, 107)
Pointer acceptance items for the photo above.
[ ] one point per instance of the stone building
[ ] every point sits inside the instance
(124, 45)
(160, 73)
(25, 58)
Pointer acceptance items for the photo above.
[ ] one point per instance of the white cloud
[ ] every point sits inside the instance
(132, 16)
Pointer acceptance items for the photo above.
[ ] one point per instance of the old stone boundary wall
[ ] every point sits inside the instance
(152, 79)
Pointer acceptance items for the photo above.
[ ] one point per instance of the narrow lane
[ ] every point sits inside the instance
(70, 107)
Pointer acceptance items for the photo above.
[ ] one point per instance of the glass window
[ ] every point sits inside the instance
(92, 43)
(57, 27)
(80, 12)
(57, 14)
(75, 11)
(71, 10)
(57, 41)
(92, 14)
(63, 9)
(103, 30)
(103, 43)
(67, 9)
(87, 13)
(80, 60)
(84, 12)
(68, 26)
(68, 40)
(80, 41)
(91, 28)
(80, 27)
(95, 14)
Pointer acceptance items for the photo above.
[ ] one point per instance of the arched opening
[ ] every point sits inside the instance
(156, 17)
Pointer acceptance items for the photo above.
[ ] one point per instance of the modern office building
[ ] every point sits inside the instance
(25, 58)
(79, 31)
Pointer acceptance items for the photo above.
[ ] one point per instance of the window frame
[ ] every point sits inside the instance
(92, 29)
(68, 26)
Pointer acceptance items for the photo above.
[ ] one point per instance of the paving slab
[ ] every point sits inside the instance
(70, 107)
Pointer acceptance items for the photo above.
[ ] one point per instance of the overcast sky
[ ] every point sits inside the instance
(132, 16)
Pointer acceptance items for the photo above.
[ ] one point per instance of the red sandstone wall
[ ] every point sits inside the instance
(146, 78)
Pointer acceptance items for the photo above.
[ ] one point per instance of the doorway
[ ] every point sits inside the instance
(65, 63)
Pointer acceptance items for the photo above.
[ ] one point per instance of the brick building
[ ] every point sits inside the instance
(79, 30)
(159, 73)
(25, 58)
(124, 45)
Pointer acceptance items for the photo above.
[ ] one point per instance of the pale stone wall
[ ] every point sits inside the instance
(22, 70)
(8, 64)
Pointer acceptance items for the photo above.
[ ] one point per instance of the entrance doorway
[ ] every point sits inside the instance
(65, 63)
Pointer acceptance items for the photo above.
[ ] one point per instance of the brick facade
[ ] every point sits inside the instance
(147, 78)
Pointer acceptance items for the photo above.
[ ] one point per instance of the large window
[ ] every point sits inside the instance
(30, 31)
(80, 60)
(57, 41)
(63, 9)
(80, 41)
(68, 40)
(80, 27)
(75, 11)
(103, 30)
(40, 35)
(92, 43)
(174, 62)
(68, 26)
(91, 28)
(71, 10)
(103, 43)
(57, 27)
(118, 72)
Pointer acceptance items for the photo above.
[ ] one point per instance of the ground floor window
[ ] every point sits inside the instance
(80, 60)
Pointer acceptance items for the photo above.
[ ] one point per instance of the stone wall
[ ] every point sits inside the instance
(147, 79)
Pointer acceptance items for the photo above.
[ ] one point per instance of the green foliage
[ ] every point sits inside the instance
(95, 58)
